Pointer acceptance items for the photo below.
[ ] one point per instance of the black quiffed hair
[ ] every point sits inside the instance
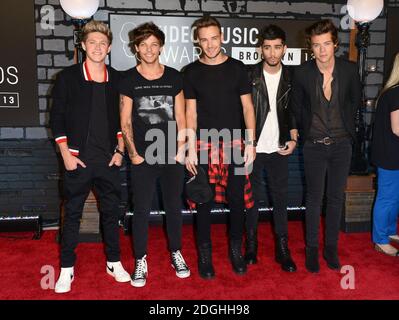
(271, 32)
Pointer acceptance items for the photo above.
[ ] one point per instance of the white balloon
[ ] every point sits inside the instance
(80, 9)
(365, 10)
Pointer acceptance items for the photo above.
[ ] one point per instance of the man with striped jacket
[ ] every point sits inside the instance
(85, 124)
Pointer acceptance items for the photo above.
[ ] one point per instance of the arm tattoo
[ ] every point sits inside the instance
(127, 131)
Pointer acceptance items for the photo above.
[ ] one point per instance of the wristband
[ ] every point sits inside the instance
(251, 143)
(120, 152)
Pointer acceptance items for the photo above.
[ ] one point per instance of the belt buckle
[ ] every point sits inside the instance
(327, 141)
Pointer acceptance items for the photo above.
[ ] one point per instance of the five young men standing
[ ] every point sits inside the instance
(235, 119)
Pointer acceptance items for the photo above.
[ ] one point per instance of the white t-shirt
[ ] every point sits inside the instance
(269, 138)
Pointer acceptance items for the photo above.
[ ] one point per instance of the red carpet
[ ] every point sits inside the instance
(376, 275)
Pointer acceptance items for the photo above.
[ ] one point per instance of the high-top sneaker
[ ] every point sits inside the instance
(63, 284)
(180, 266)
(139, 277)
(116, 270)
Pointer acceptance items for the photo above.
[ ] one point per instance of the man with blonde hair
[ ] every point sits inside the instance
(85, 124)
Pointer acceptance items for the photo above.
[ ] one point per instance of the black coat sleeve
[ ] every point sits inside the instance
(59, 107)
(296, 104)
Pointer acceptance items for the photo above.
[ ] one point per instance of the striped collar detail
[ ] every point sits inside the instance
(87, 75)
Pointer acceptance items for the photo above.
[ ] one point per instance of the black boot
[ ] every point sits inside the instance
(330, 254)
(236, 258)
(251, 247)
(312, 259)
(283, 255)
(205, 267)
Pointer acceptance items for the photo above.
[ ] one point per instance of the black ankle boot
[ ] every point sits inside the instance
(237, 260)
(283, 255)
(312, 259)
(251, 247)
(205, 267)
(330, 254)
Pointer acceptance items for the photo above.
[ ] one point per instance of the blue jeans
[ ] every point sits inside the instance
(386, 208)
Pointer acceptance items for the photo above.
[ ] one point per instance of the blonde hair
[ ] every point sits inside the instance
(393, 79)
(96, 26)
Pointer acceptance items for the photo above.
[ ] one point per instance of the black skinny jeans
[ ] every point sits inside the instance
(276, 166)
(235, 198)
(77, 186)
(144, 178)
(320, 161)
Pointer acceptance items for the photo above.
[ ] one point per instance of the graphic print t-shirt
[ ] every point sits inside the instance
(153, 105)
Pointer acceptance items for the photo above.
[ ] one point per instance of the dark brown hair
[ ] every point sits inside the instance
(146, 30)
(204, 22)
(321, 27)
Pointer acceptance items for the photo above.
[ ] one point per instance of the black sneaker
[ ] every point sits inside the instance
(139, 277)
(180, 266)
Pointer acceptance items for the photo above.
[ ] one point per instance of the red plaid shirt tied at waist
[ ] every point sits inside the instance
(218, 171)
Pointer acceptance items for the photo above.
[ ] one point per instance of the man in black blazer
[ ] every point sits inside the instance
(85, 123)
(325, 96)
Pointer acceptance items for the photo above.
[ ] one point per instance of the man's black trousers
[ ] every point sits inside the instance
(77, 185)
(276, 166)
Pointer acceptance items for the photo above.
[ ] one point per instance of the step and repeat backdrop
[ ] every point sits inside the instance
(18, 72)
(240, 42)
(240, 39)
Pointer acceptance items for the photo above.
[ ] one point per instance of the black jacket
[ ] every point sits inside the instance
(303, 97)
(286, 120)
(72, 103)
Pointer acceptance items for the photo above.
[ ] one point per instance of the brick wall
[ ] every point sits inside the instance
(31, 178)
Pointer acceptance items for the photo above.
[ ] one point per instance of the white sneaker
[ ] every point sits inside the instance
(63, 284)
(180, 266)
(394, 238)
(116, 270)
(139, 277)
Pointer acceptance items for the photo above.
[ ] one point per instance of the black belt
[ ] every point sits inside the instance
(328, 140)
